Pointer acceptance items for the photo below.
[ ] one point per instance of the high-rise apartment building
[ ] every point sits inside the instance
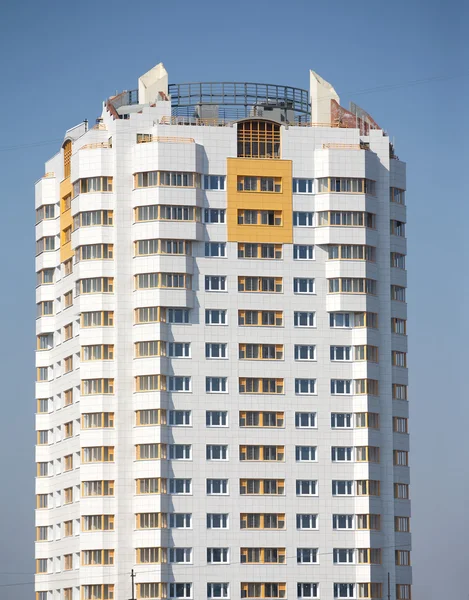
(221, 350)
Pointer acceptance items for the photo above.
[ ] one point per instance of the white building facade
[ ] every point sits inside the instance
(221, 350)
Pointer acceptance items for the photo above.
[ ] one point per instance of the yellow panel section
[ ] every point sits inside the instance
(259, 167)
(66, 220)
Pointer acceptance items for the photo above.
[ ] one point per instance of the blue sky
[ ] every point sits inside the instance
(59, 61)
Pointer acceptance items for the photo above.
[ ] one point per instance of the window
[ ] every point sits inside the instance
(95, 252)
(397, 195)
(68, 364)
(399, 326)
(307, 590)
(369, 556)
(258, 139)
(97, 319)
(403, 591)
(218, 590)
(94, 454)
(180, 486)
(304, 319)
(336, 218)
(216, 418)
(260, 251)
(262, 555)
(95, 285)
(214, 316)
(303, 285)
(263, 590)
(341, 420)
(397, 260)
(305, 420)
(307, 521)
(68, 331)
(403, 558)
(180, 590)
(340, 320)
(260, 217)
(214, 182)
(341, 386)
(274, 487)
(150, 451)
(153, 556)
(97, 523)
(351, 252)
(217, 555)
(42, 405)
(367, 454)
(346, 185)
(149, 383)
(402, 524)
(342, 488)
(369, 522)
(215, 283)
(302, 219)
(305, 453)
(305, 386)
(97, 386)
(341, 453)
(216, 452)
(217, 487)
(352, 285)
(42, 501)
(397, 228)
(45, 244)
(102, 591)
(68, 299)
(340, 353)
(399, 359)
(217, 521)
(179, 384)
(400, 425)
(93, 218)
(260, 352)
(254, 418)
(91, 489)
(42, 565)
(344, 590)
(167, 179)
(342, 521)
(98, 420)
(68, 267)
(165, 212)
(148, 591)
(368, 353)
(45, 277)
(45, 341)
(42, 374)
(180, 418)
(90, 185)
(44, 212)
(344, 555)
(45, 308)
(68, 528)
(401, 491)
(179, 350)
(368, 487)
(262, 453)
(215, 249)
(255, 385)
(306, 555)
(401, 458)
(398, 293)
(180, 521)
(302, 186)
(180, 451)
(214, 215)
(303, 252)
(306, 487)
(399, 391)
(259, 184)
(262, 521)
(42, 437)
(42, 534)
(159, 246)
(366, 386)
(148, 281)
(180, 555)
(260, 318)
(216, 385)
(215, 350)
(150, 485)
(97, 557)
(273, 285)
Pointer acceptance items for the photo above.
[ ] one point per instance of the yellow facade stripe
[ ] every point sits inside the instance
(273, 201)
(66, 220)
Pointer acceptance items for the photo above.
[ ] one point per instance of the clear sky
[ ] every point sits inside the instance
(60, 60)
